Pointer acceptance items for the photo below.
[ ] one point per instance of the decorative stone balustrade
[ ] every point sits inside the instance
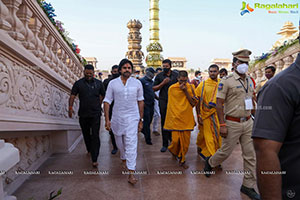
(281, 61)
(25, 22)
(37, 70)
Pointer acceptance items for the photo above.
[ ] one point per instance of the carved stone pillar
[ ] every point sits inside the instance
(50, 44)
(4, 14)
(17, 31)
(279, 66)
(57, 51)
(295, 55)
(61, 56)
(287, 61)
(263, 77)
(43, 36)
(24, 14)
(134, 52)
(35, 25)
(258, 75)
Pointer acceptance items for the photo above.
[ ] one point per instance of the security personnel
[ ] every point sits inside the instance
(149, 97)
(236, 93)
(91, 93)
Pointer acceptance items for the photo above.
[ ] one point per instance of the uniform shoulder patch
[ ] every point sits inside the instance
(220, 87)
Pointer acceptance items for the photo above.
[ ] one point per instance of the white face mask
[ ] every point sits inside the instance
(242, 68)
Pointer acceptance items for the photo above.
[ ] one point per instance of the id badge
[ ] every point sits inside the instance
(248, 103)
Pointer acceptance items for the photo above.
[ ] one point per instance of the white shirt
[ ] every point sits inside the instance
(125, 98)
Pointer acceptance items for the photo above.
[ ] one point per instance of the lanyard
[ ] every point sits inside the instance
(246, 90)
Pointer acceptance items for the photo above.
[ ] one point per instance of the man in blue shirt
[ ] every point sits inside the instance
(149, 96)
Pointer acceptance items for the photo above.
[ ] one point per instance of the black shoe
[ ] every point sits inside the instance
(156, 133)
(250, 192)
(163, 149)
(114, 151)
(149, 143)
(207, 168)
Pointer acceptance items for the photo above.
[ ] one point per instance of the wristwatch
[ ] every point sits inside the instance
(141, 119)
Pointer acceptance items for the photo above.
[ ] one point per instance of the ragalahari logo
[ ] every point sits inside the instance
(246, 8)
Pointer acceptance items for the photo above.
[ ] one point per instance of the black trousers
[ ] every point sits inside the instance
(112, 136)
(166, 135)
(148, 115)
(90, 127)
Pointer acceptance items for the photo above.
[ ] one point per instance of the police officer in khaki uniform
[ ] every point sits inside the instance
(236, 93)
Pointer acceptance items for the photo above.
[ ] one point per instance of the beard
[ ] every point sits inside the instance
(213, 77)
(88, 78)
(126, 74)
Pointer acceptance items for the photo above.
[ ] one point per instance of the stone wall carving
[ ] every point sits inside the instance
(23, 89)
(31, 149)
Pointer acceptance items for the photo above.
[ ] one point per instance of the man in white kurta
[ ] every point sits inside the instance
(127, 93)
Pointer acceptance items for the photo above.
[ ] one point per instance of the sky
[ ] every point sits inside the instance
(198, 30)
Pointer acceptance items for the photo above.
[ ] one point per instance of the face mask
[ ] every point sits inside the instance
(137, 76)
(115, 75)
(242, 68)
(198, 77)
(166, 70)
(150, 75)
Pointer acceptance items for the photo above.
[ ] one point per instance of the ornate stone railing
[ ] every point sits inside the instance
(37, 70)
(280, 61)
(25, 22)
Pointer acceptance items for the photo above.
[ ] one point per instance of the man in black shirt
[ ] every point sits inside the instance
(149, 96)
(114, 74)
(162, 82)
(91, 93)
(276, 135)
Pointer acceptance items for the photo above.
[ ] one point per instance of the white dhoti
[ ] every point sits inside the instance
(125, 116)
(126, 140)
